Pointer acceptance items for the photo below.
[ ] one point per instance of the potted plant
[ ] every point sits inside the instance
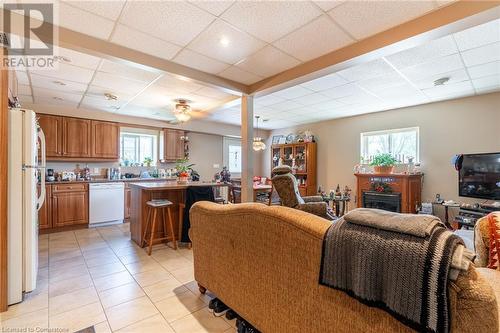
(183, 170)
(148, 161)
(383, 163)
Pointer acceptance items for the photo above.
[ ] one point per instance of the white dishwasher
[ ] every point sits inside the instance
(106, 203)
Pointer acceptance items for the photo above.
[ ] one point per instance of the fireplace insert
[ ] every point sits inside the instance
(385, 201)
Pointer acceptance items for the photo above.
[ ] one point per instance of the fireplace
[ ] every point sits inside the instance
(385, 201)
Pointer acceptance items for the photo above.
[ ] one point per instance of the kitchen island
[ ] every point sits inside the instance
(142, 192)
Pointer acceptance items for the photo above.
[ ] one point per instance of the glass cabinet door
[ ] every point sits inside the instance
(300, 159)
(288, 155)
(276, 156)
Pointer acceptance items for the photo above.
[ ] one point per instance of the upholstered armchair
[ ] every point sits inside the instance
(285, 184)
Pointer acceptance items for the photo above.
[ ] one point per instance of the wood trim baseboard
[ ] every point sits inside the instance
(4, 126)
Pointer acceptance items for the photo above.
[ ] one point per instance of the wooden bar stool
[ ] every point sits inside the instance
(153, 207)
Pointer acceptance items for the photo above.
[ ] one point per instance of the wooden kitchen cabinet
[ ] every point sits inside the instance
(52, 128)
(174, 144)
(77, 137)
(105, 140)
(45, 213)
(70, 205)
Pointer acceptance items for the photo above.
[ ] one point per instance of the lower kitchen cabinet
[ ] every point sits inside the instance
(45, 213)
(67, 205)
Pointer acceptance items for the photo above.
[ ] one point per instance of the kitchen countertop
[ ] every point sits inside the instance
(101, 180)
(172, 185)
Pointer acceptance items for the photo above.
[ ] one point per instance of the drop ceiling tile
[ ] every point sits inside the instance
(401, 91)
(270, 20)
(68, 72)
(386, 81)
(146, 43)
(457, 89)
(312, 99)
(492, 68)
(442, 65)
(429, 51)
(303, 44)
(118, 83)
(366, 18)
(237, 74)
(50, 94)
(482, 55)
(214, 93)
(327, 106)
(23, 89)
(22, 77)
(174, 21)
(79, 59)
(155, 96)
(175, 85)
(108, 9)
(478, 36)
(343, 91)
(51, 101)
(25, 99)
(61, 85)
(213, 7)
(487, 82)
(365, 71)
(79, 20)
(240, 44)
(97, 93)
(90, 102)
(267, 62)
(293, 92)
(198, 61)
(268, 100)
(285, 106)
(455, 77)
(325, 82)
(327, 5)
(363, 98)
(128, 72)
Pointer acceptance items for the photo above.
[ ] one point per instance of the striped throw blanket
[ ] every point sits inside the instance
(380, 259)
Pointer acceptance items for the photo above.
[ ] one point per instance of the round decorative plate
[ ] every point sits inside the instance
(290, 138)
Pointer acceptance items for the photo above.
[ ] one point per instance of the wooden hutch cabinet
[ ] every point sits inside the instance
(302, 158)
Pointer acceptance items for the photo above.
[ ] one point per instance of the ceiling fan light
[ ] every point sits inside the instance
(182, 116)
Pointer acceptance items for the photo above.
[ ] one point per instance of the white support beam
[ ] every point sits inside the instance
(246, 148)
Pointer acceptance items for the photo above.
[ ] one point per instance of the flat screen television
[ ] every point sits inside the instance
(479, 176)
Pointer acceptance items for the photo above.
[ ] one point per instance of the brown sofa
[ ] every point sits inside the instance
(264, 263)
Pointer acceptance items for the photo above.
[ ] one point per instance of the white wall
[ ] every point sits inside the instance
(467, 125)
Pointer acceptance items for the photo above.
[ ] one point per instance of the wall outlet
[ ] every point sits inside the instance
(216, 166)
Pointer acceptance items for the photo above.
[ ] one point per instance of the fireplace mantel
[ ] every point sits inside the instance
(409, 186)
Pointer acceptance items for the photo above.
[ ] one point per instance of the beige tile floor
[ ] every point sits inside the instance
(99, 277)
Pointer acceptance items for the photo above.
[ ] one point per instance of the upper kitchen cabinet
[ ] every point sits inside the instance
(52, 128)
(106, 139)
(174, 144)
(77, 137)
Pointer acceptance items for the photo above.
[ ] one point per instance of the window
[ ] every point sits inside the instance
(138, 144)
(400, 143)
(232, 155)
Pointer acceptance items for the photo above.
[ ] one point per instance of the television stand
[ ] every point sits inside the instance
(469, 214)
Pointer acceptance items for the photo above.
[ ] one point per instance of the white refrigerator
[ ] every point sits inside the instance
(25, 137)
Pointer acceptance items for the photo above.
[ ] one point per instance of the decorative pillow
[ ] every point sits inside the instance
(494, 242)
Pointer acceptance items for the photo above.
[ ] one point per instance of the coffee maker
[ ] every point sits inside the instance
(50, 175)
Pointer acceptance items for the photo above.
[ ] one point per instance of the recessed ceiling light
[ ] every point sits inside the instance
(441, 81)
(58, 98)
(115, 107)
(224, 41)
(110, 97)
(59, 83)
(62, 59)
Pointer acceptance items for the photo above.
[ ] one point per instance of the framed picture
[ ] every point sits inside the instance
(276, 139)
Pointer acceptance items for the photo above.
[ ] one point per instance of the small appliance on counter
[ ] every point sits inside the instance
(68, 176)
(50, 175)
